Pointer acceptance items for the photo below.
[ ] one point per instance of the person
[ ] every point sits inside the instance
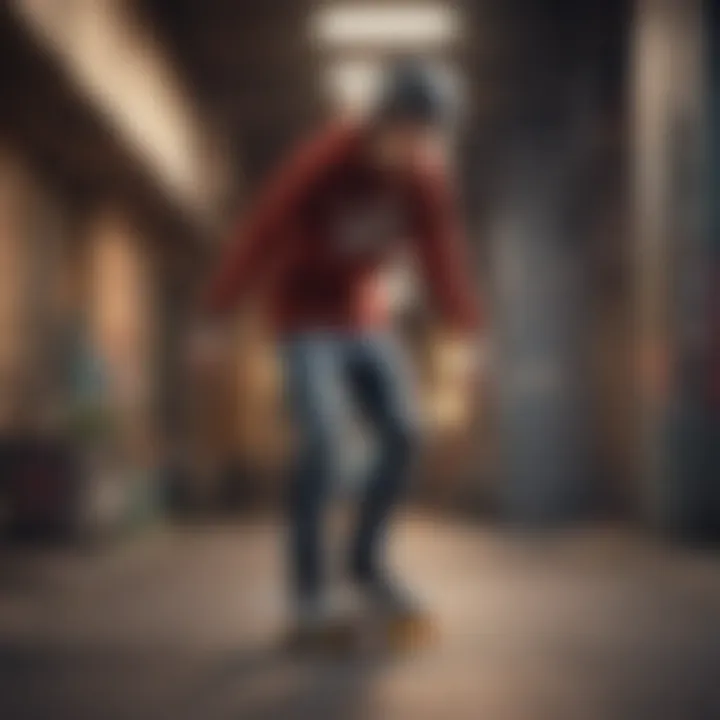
(319, 237)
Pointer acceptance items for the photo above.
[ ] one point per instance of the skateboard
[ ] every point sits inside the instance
(396, 635)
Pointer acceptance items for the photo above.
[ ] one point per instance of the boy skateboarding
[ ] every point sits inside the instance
(320, 236)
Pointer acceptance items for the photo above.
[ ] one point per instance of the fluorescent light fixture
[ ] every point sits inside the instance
(395, 26)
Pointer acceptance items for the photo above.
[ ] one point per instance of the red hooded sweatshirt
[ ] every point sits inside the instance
(325, 227)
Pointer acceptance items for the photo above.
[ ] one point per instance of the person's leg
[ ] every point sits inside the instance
(382, 385)
(314, 393)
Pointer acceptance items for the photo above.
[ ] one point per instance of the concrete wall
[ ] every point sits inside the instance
(15, 213)
(121, 321)
(56, 273)
(33, 231)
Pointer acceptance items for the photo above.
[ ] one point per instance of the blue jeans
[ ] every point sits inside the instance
(324, 372)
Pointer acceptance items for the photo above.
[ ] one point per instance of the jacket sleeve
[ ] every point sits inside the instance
(442, 251)
(260, 240)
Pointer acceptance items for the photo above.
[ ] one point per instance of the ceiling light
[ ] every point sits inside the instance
(377, 25)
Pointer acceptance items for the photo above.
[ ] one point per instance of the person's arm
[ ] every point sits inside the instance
(442, 252)
(260, 239)
(462, 357)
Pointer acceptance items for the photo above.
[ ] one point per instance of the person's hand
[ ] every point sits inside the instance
(465, 358)
(459, 366)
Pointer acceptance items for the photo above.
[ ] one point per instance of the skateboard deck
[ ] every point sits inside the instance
(397, 635)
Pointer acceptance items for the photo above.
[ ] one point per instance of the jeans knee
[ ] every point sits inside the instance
(316, 462)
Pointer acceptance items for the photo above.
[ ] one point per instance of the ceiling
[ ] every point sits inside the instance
(258, 74)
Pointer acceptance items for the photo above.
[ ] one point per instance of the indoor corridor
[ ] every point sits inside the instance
(564, 522)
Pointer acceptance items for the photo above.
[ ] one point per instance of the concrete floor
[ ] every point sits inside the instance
(586, 625)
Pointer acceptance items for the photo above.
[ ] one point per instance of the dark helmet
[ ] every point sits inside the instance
(411, 92)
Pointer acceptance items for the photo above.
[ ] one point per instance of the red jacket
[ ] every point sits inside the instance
(324, 228)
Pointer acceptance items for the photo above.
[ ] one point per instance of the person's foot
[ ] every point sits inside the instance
(385, 595)
(319, 628)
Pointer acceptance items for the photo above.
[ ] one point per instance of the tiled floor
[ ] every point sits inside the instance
(586, 625)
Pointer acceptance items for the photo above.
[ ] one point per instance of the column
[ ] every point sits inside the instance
(672, 268)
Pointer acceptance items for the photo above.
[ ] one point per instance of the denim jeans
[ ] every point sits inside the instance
(328, 374)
